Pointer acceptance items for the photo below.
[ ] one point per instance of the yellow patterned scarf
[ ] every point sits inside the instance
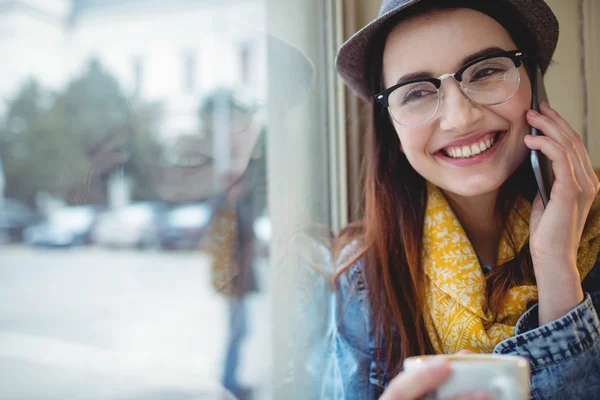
(220, 243)
(456, 314)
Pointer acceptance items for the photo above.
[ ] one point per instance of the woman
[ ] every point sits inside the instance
(456, 251)
(230, 239)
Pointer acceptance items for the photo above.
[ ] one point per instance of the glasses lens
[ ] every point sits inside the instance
(414, 104)
(491, 81)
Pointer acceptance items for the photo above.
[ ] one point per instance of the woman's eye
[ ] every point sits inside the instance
(416, 95)
(487, 73)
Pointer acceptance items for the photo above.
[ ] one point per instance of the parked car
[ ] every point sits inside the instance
(69, 226)
(15, 216)
(182, 226)
(135, 225)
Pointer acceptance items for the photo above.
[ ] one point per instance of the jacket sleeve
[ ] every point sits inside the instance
(564, 354)
(348, 360)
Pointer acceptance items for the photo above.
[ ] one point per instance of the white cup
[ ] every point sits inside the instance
(503, 377)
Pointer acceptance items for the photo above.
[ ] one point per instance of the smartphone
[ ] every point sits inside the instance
(542, 167)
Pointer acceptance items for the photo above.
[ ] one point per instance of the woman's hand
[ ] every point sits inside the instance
(416, 384)
(555, 232)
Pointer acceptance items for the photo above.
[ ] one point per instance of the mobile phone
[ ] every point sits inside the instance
(542, 166)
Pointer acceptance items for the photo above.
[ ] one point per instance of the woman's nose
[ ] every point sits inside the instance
(458, 112)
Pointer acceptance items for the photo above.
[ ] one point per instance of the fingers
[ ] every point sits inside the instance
(412, 385)
(556, 128)
(562, 164)
(576, 140)
(552, 130)
(416, 384)
(565, 127)
(556, 118)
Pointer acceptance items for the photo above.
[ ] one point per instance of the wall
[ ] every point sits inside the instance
(571, 82)
(591, 47)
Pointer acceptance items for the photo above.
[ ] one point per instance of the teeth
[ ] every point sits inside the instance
(473, 150)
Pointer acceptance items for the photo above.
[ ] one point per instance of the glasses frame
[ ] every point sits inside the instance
(516, 56)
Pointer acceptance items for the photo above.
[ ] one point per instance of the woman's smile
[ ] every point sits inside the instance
(474, 153)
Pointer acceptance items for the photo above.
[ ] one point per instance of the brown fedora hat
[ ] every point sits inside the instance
(352, 59)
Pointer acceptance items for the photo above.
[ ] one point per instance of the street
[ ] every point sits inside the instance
(93, 323)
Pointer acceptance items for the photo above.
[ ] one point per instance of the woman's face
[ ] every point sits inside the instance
(437, 44)
(205, 165)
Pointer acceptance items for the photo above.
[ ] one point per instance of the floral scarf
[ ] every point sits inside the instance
(456, 312)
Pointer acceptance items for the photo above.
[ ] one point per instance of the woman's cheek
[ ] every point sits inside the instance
(415, 139)
(415, 147)
(406, 145)
(521, 102)
(515, 110)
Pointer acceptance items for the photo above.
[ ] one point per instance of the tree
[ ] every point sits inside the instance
(71, 146)
(17, 138)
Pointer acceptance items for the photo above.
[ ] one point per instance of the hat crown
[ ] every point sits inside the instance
(354, 56)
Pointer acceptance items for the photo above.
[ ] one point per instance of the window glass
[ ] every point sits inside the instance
(157, 158)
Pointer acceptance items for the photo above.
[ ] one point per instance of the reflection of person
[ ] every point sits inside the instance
(230, 239)
(231, 116)
(455, 247)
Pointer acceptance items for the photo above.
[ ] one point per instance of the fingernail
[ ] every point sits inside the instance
(534, 113)
(544, 104)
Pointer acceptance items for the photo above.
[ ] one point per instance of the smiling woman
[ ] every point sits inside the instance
(455, 245)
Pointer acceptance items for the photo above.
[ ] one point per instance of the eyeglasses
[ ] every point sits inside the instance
(488, 80)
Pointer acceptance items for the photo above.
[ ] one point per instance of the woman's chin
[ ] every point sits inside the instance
(470, 187)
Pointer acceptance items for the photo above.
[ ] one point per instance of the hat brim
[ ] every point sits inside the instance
(352, 61)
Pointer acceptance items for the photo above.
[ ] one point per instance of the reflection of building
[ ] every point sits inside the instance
(170, 51)
(32, 43)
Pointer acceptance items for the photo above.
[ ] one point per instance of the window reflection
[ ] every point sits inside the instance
(153, 157)
(133, 138)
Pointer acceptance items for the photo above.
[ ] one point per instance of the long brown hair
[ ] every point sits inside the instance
(391, 229)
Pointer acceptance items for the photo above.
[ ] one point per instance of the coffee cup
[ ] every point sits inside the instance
(503, 377)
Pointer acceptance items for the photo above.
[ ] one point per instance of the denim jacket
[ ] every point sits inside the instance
(564, 354)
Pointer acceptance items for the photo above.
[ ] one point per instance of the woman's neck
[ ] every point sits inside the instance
(478, 219)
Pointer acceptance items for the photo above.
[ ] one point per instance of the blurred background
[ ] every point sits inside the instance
(171, 176)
